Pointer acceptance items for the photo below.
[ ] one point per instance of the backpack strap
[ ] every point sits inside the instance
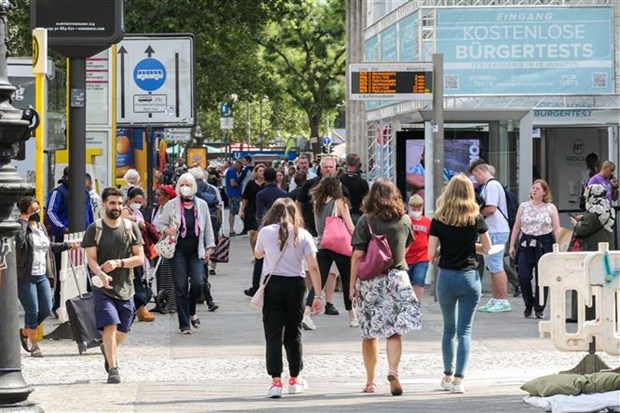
(98, 230)
(129, 230)
(505, 198)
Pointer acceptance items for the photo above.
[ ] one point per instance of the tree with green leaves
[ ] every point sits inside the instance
(304, 57)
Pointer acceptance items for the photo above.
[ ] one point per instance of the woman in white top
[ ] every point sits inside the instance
(284, 244)
(538, 223)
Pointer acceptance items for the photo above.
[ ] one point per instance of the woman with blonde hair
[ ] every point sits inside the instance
(455, 227)
(537, 226)
(284, 245)
(386, 304)
(132, 177)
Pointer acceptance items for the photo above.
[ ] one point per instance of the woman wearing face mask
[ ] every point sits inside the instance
(187, 218)
(132, 212)
(417, 254)
(35, 264)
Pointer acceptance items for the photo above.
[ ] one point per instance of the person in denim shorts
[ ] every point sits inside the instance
(494, 210)
(417, 254)
(112, 251)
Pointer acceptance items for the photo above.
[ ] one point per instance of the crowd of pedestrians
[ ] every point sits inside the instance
(285, 209)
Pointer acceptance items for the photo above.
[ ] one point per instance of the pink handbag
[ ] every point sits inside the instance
(378, 258)
(336, 236)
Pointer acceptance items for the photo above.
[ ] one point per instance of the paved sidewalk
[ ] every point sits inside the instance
(221, 366)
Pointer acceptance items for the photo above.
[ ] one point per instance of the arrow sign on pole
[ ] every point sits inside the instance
(158, 81)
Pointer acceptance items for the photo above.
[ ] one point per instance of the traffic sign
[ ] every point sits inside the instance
(156, 81)
(327, 141)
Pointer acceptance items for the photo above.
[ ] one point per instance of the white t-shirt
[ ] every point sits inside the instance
(290, 265)
(493, 194)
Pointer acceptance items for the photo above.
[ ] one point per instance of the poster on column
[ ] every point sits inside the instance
(532, 51)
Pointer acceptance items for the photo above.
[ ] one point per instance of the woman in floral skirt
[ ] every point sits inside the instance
(386, 305)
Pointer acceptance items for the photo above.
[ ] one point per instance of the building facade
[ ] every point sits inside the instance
(533, 86)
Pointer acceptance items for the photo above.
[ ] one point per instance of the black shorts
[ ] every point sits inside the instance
(250, 222)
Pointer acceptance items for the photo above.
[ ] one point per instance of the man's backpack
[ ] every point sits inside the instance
(130, 236)
(512, 204)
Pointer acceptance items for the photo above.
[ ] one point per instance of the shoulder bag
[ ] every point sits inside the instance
(378, 258)
(336, 236)
(258, 299)
(165, 246)
(222, 249)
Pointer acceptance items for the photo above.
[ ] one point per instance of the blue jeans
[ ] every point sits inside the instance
(35, 296)
(188, 272)
(462, 288)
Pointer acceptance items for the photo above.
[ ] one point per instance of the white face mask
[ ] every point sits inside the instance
(415, 214)
(186, 190)
(135, 206)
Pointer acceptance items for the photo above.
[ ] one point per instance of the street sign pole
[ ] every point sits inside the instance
(77, 143)
(438, 150)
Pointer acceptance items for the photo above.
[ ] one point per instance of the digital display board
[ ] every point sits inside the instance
(400, 81)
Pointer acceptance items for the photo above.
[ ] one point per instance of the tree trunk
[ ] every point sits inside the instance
(315, 133)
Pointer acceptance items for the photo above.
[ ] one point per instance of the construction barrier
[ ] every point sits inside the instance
(588, 277)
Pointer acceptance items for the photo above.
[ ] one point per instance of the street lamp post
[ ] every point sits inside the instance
(15, 127)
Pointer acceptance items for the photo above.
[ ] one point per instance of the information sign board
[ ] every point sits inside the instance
(79, 27)
(399, 81)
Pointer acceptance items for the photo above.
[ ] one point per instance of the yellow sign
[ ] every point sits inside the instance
(197, 157)
(35, 51)
(39, 51)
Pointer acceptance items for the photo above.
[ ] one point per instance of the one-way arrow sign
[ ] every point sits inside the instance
(156, 89)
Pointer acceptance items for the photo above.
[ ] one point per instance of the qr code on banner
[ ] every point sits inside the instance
(599, 80)
(451, 82)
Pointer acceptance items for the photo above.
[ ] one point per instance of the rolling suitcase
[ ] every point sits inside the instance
(81, 312)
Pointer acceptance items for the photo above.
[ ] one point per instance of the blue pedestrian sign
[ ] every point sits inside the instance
(327, 141)
(225, 110)
(149, 74)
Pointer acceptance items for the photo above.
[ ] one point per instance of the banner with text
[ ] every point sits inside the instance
(520, 51)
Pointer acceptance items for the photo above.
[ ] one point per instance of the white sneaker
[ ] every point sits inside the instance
(446, 384)
(307, 323)
(458, 388)
(488, 305)
(275, 391)
(297, 386)
(354, 323)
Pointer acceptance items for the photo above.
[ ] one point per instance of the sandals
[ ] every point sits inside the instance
(395, 388)
(195, 322)
(370, 388)
(23, 339)
(186, 331)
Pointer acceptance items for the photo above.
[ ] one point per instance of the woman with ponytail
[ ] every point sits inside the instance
(187, 218)
(284, 244)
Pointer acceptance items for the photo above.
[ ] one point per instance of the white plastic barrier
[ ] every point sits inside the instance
(606, 327)
(582, 272)
(68, 287)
